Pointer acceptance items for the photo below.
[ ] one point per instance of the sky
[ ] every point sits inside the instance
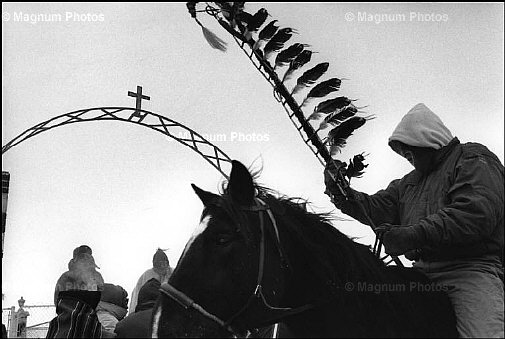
(124, 189)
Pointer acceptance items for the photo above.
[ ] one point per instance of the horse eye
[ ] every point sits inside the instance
(223, 239)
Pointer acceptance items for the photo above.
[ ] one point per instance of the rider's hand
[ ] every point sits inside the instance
(400, 239)
(332, 189)
(413, 255)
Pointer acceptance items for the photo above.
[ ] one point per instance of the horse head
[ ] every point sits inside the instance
(231, 274)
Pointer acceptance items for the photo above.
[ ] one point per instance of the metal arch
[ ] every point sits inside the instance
(211, 153)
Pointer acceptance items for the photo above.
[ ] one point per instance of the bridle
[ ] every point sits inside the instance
(256, 304)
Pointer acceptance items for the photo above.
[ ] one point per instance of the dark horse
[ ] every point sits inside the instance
(258, 259)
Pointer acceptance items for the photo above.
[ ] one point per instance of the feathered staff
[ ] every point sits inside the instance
(339, 111)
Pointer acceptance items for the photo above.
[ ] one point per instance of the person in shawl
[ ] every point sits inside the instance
(160, 271)
(76, 297)
(81, 274)
(446, 215)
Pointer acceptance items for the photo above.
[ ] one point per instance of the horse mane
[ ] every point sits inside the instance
(334, 257)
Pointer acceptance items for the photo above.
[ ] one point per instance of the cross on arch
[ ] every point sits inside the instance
(138, 104)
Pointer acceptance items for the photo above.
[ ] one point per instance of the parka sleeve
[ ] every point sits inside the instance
(381, 207)
(475, 204)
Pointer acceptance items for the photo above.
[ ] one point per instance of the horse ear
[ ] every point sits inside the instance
(205, 197)
(241, 185)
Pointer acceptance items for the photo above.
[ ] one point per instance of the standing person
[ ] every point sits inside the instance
(160, 271)
(76, 297)
(112, 307)
(81, 274)
(138, 323)
(21, 316)
(447, 215)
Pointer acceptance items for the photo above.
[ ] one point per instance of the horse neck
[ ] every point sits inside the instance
(319, 277)
(323, 259)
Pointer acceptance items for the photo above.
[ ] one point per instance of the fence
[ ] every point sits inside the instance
(37, 322)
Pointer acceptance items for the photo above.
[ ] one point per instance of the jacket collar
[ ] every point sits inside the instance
(442, 153)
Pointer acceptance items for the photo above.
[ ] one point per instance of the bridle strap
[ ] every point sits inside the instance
(260, 207)
(186, 302)
(258, 295)
(276, 230)
(266, 208)
(261, 265)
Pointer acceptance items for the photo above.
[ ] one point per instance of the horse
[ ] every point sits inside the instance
(258, 258)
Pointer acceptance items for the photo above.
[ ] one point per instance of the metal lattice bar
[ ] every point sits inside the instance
(215, 156)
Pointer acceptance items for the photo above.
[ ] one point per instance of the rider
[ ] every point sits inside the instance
(447, 215)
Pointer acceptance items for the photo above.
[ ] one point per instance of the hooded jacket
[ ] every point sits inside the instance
(82, 275)
(112, 306)
(456, 208)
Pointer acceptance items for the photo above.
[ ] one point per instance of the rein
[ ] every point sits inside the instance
(256, 304)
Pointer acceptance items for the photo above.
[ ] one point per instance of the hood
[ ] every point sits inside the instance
(420, 127)
(115, 294)
(82, 260)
